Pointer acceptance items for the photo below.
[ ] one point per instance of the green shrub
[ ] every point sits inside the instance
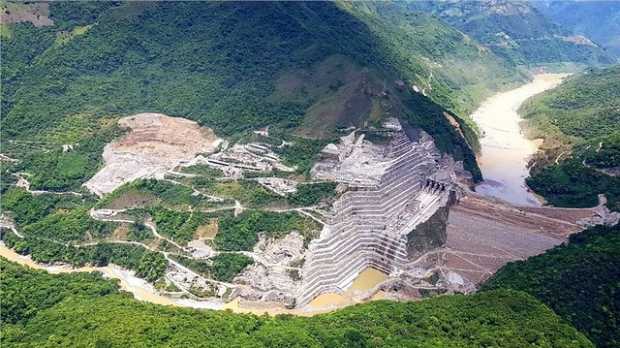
(179, 226)
(241, 232)
(571, 184)
(147, 264)
(312, 194)
(26, 291)
(227, 266)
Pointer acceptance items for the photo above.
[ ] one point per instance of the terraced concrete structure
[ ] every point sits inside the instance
(392, 189)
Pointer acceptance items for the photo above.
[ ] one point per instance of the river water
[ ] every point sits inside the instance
(144, 291)
(141, 289)
(503, 161)
(505, 151)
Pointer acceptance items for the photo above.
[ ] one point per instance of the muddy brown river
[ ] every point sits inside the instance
(503, 161)
(505, 151)
(144, 291)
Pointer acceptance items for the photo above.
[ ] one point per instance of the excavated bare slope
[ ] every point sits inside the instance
(391, 190)
(155, 144)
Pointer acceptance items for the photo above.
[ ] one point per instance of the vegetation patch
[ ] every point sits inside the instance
(208, 230)
(180, 226)
(571, 184)
(26, 208)
(203, 170)
(63, 163)
(148, 192)
(580, 121)
(495, 318)
(70, 225)
(312, 194)
(302, 153)
(579, 281)
(26, 291)
(584, 107)
(148, 265)
(99, 73)
(60, 218)
(241, 232)
(223, 267)
(250, 193)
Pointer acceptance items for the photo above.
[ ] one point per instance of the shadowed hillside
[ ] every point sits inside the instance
(598, 20)
(310, 67)
(516, 30)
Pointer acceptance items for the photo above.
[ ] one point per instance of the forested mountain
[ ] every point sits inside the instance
(308, 71)
(598, 20)
(516, 30)
(234, 67)
(580, 122)
(87, 311)
(579, 281)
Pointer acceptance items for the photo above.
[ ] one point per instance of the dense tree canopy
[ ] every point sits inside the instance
(82, 310)
(580, 281)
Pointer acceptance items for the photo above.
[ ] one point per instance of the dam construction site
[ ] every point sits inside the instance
(397, 219)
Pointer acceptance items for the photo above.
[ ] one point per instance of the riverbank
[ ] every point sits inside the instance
(144, 291)
(505, 149)
(483, 232)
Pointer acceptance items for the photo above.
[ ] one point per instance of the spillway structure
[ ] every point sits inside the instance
(392, 188)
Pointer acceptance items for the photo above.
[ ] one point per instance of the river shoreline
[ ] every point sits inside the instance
(504, 148)
(504, 151)
(145, 292)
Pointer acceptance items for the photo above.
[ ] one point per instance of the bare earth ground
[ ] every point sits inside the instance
(37, 14)
(155, 144)
(484, 234)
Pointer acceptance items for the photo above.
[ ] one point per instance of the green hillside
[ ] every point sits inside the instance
(579, 281)
(580, 122)
(583, 107)
(598, 20)
(84, 311)
(516, 30)
(454, 69)
(307, 67)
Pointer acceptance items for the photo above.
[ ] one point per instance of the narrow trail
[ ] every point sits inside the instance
(148, 223)
(6, 158)
(176, 270)
(557, 159)
(166, 254)
(101, 215)
(6, 223)
(609, 172)
(305, 213)
(25, 184)
(301, 211)
(213, 210)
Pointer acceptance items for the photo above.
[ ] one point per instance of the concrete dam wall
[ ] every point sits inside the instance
(393, 210)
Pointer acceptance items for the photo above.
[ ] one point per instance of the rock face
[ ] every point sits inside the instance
(155, 144)
(428, 235)
(394, 209)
